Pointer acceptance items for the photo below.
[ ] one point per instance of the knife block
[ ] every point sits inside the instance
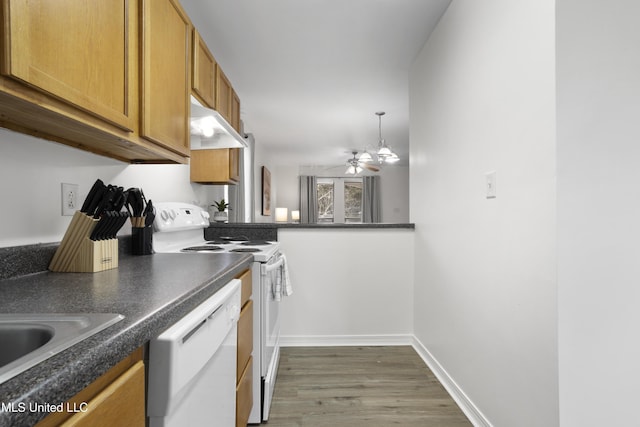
(96, 255)
(142, 240)
(78, 253)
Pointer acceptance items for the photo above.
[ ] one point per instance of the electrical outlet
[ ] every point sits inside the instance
(69, 199)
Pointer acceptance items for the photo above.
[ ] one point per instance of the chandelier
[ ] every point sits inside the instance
(384, 153)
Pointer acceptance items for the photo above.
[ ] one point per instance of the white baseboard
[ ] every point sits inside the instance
(344, 340)
(476, 417)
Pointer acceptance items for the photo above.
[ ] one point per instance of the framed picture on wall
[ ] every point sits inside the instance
(266, 191)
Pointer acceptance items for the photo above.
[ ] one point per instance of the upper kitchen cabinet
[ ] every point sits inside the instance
(218, 166)
(84, 56)
(166, 83)
(70, 72)
(204, 72)
(235, 111)
(224, 95)
(210, 86)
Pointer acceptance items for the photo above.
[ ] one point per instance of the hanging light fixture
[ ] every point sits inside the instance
(384, 153)
(353, 166)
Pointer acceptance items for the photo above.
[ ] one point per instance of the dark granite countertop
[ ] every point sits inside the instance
(243, 224)
(276, 225)
(152, 292)
(355, 226)
(269, 230)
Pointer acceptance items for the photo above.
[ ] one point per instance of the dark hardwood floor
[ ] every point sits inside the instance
(359, 386)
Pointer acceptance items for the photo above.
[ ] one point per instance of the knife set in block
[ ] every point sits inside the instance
(142, 216)
(90, 242)
(78, 253)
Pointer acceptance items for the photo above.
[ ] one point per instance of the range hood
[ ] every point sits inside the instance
(210, 130)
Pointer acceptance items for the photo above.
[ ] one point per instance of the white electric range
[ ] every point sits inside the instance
(179, 228)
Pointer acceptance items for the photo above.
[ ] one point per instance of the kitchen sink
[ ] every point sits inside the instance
(28, 339)
(20, 339)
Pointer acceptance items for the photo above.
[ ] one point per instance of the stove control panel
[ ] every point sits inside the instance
(175, 216)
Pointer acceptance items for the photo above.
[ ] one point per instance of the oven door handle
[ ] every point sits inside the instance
(268, 268)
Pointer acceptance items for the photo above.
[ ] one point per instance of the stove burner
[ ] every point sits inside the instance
(246, 250)
(218, 242)
(255, 243)
(202, 248)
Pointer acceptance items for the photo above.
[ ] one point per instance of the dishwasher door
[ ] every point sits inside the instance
(192, 365)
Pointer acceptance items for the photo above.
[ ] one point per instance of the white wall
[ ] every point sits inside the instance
(350, 286)
(394, 190)
(31, 171)
(482, 98)
(598, 211)
(288, 184)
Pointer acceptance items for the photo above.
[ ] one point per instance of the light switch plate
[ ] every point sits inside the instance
(490, 184)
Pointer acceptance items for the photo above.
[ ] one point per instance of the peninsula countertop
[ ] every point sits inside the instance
(152, 292)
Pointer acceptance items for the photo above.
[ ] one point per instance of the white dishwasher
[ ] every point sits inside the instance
(192, 365)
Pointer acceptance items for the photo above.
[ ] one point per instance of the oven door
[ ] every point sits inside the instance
(271, 277)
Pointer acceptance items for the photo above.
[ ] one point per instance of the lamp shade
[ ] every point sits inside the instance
(393, 157)
(384, 151)
(282, 214)
(366, 157)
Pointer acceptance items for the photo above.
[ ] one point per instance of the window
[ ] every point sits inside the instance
(325, 201)
(353, 201)
(339, 200)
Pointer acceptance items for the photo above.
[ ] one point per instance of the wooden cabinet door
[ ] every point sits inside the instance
(166, 82)
(245, 338)
(235, 111)
(234, 164)
(216, 166)
(245, 287)
(244, 395)
(223, 94)
(203, 80)
(83, 53)
(121, 403)
(115, 398)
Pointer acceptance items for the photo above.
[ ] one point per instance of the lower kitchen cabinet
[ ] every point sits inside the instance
(115, 398)
(216, 166)
(244, 372)
(245, 336)
(244, 395)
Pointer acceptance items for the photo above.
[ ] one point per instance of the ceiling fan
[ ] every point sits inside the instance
(355, 166)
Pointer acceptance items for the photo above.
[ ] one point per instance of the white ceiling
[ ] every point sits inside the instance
(311, 74)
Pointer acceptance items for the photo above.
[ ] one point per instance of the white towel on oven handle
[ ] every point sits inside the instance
(287, 289)
(273, 273)
(276, 285)
(280, 284)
